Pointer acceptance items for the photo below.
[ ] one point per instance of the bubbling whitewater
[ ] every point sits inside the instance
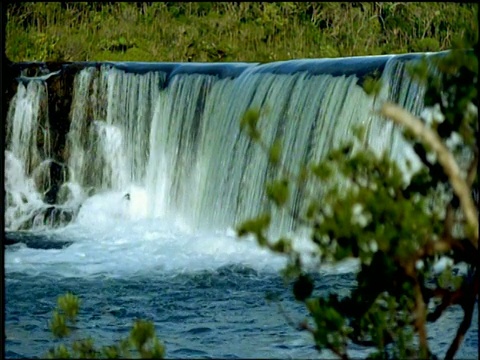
(108, 239)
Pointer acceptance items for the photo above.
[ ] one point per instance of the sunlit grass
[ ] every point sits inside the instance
(229, 31)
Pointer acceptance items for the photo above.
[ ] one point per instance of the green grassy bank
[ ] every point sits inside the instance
(241, 31)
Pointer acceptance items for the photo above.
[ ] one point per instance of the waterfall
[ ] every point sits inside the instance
(26, 154)
(110, 122)
(28, 118)
(173, 130)
(205, 171)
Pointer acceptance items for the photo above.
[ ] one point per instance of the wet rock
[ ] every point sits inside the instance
(52, 216)
(34, 241)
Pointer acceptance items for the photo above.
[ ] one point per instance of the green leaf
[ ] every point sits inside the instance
(141, 332)
(283, 245)
(254, 226)
(85, 349)
(275, 152)
(60, 352)
(70, 305)
(303, 287)
(372, 86)
(110, 352)
(58, 325)
(249, 123)
(277, 191)
(322, 170)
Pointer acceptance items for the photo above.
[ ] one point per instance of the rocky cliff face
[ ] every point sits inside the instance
(59, 81)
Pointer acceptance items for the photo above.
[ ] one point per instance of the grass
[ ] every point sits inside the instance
(241, 31)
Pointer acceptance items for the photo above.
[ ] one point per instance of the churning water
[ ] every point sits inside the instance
(155, 175)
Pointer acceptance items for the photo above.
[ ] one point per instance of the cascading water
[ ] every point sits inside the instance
(26, 154)
(110, 122)
(175, 135)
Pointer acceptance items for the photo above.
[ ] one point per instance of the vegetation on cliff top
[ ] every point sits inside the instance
(235, 31)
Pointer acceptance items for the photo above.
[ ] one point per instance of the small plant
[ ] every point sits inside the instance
(142, 337)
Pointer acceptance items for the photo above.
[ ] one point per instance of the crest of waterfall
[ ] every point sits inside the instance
(171, 135)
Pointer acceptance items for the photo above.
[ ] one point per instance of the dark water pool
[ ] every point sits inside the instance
(210, 314)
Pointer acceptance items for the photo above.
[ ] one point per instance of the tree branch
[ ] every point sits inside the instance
(420, 317)
(468, 305)
(445, 158)
(303, 326)
(463, 249)
(472, 170)
(448, 298)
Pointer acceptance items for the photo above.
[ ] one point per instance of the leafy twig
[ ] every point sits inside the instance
(445, 158)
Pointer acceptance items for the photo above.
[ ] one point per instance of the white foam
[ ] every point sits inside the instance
(22, 197)
(111, 237)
